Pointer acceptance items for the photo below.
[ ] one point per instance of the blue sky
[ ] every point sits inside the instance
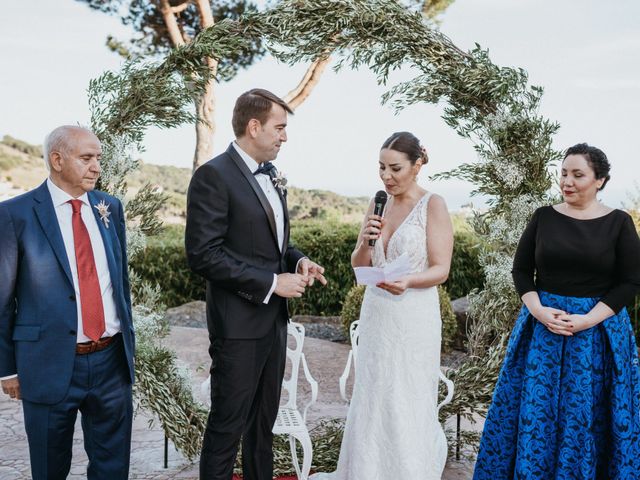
(585, 53)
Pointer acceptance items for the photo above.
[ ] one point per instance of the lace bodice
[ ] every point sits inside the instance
(410, 237)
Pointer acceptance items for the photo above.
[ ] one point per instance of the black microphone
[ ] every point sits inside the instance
(378, 207)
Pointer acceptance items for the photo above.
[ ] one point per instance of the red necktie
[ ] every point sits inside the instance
(90, 295)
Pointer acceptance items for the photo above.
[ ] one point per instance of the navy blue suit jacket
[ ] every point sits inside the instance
(38, 313)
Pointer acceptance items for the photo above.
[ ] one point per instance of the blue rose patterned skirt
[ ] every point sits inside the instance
(565, 407)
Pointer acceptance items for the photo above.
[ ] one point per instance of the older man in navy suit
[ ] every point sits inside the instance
(66, 334)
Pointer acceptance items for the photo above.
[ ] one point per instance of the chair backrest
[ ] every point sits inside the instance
(294, 355)
(354, 335)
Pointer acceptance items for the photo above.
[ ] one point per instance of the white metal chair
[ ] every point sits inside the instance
(290, 421)
(352, 361)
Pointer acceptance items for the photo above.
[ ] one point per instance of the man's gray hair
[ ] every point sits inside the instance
(58, 141)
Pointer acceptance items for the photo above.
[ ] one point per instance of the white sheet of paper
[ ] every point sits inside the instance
(391, 272)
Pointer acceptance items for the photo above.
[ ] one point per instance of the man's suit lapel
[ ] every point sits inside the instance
(231, 151)
(107, 235)
(285, 209)
(46, 215)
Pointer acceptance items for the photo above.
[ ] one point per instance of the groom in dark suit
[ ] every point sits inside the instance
(66, 336)
(237, 238)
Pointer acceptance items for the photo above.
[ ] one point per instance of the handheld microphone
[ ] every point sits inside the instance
(379, 202)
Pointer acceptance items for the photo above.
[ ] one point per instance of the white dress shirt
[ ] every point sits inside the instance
(274, 200)
(64, 213)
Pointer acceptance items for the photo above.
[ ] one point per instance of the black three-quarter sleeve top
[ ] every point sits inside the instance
(598, 257)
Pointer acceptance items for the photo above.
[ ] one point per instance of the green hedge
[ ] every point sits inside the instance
(163, 262)
(351, 308)
(465, 273)
(330, 244)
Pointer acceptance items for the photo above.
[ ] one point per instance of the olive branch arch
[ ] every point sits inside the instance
(493, 107)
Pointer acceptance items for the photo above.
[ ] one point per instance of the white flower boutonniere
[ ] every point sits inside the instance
(280, 182)
(103, 211)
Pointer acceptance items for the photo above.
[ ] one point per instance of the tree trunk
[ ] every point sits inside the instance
(311, 78)
(205, 126)
(206, 102)
(170, 21)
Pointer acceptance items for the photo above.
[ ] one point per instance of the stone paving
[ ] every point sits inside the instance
(326, 361)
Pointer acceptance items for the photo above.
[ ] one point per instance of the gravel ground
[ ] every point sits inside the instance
(322, 328)
(193, 315)
(325, 331)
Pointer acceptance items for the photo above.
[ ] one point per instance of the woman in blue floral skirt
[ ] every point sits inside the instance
(567, 403)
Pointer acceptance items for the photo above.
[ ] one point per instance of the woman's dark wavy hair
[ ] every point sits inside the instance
(407, 143)
(596, 159)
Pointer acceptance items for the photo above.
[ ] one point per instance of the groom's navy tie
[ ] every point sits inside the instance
(266, 168)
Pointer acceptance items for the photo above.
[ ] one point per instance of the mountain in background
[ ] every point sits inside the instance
(22, 168)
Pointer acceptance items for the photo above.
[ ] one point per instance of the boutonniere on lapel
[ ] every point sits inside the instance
(103, 211)
(280, 182)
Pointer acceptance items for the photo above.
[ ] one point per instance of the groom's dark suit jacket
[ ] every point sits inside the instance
(231, 241)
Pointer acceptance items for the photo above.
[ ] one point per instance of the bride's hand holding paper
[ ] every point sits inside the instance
(396, 288)
(392, 277)
(397, 277)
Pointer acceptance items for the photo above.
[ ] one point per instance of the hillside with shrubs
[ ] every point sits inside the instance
(22, 168)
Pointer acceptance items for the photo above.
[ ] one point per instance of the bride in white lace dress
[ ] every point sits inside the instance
(392, 430)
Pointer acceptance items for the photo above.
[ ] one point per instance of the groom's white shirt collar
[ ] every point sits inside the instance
(251, 164)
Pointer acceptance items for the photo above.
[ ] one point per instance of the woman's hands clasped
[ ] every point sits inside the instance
(563, 323)
(578, 323)
(555, 320)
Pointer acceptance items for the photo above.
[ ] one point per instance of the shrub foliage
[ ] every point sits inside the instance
(163, 263)
(466, 273)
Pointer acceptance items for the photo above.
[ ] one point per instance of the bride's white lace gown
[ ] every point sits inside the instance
(392, 430)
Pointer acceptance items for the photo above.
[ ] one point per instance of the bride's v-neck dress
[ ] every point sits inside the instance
(392, 430)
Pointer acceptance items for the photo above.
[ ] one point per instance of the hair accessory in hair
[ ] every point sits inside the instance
(423, 152)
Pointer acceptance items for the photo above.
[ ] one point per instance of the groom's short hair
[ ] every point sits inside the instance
(256, 103)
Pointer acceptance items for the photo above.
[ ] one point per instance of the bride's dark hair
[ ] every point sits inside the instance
(407, 143)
